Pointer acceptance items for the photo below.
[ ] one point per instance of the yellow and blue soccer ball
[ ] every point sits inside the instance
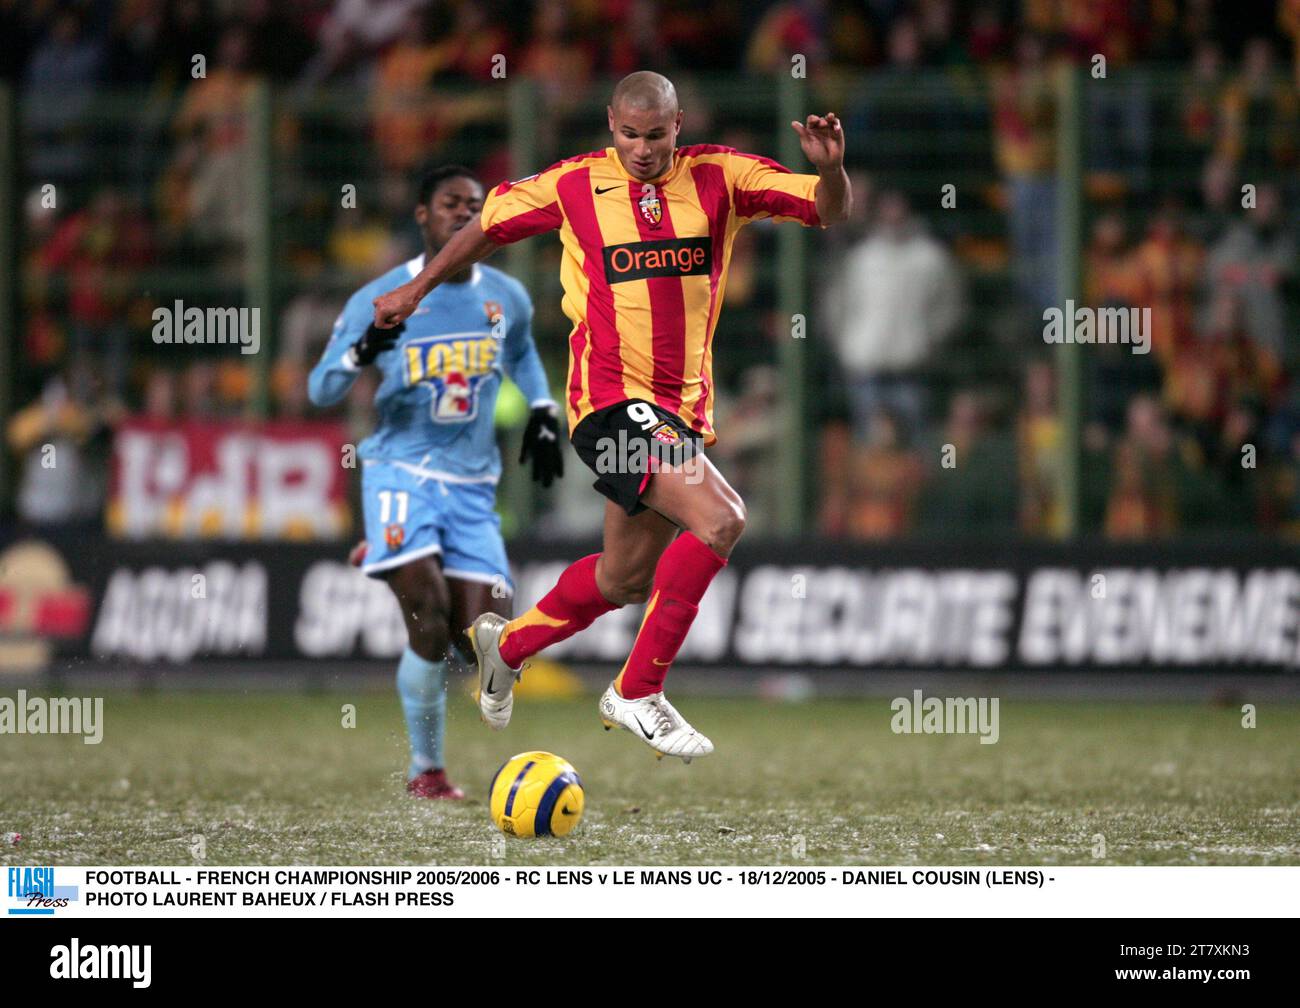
(536, 794)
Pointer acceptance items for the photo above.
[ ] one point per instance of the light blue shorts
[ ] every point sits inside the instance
(412, 512)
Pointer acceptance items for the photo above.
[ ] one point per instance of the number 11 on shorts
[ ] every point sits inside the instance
(386, 505)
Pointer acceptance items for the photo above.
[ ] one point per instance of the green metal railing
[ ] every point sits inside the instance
(1069, 278)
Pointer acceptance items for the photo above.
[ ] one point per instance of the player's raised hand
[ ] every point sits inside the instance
(822, 140)
(396, 306)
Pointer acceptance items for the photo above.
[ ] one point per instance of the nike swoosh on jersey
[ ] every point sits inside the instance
(600, 191)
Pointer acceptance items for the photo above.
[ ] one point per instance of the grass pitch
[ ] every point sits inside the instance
(270, 779)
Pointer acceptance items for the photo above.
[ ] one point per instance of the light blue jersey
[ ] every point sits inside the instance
(429, 470)
(436, 402)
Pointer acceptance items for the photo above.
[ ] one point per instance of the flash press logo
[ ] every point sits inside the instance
(218, 326)
(75, 961)
(32, 893)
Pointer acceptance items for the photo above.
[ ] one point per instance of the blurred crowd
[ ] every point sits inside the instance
(1190, 192)
(573, 43)
(931, 391)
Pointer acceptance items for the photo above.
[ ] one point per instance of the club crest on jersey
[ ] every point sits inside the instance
(667, 434)
(651, 209)
(492, 309)
(452, 367)
(394, 536)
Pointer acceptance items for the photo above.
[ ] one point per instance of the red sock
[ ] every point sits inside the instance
(681, 578)
(572, 605)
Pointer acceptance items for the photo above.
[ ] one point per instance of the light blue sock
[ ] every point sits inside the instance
(422, 685)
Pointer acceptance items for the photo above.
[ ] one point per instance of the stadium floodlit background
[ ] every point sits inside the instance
(1006, 157)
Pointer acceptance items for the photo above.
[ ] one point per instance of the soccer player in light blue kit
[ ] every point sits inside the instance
(430, 469)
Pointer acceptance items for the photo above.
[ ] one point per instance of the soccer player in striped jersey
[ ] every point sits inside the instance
(647, 229)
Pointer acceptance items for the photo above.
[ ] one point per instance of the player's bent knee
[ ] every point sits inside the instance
(636, 594)
(427, 627)
(630, 592)
(623, 591)
(429, 644)
(724, 526)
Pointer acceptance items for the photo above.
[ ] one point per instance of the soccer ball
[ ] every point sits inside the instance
(536, 794)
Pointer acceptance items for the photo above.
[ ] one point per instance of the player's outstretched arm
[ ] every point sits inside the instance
(353, 344)
(822, 140)
(467, 246)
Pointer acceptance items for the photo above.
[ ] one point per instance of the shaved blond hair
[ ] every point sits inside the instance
(646, 90)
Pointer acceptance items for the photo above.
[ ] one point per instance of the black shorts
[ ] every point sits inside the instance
(624, 443)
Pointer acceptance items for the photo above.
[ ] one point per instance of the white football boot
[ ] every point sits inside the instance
(496, 679)
(655, 722)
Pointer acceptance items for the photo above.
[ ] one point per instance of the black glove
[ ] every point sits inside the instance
(542, 442)
(373, 342)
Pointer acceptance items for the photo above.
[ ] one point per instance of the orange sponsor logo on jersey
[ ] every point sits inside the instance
(671, 257)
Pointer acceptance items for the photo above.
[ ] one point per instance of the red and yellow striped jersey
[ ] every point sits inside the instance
(645, 265)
